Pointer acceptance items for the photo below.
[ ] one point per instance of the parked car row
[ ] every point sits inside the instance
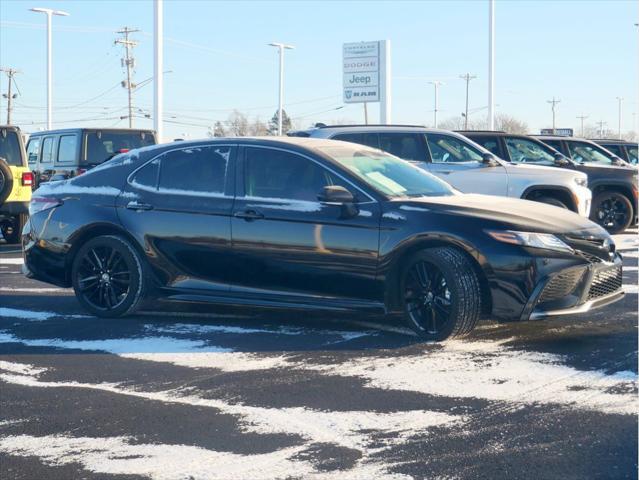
(562, 171)
(317, 224)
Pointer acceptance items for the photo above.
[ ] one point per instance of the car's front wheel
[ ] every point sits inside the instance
(107, 276)
(11, 228)
(611, 210)
(441, 293)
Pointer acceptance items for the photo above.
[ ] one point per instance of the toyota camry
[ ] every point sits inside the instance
(315, 225)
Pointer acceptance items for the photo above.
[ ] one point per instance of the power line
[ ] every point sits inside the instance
(129, 62)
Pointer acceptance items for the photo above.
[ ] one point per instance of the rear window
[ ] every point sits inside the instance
(33, 149)
(10, 148)
(101, 146)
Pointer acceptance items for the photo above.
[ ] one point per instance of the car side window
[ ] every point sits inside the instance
(407, 146)
(47, 150)
(194, 170)
(522, 150)
(33, 149)
(448, 149)
(556, 144)
(147, 177)
(278, 174)
(368, 139)
(489, 143)
(585, 153)
(67, 148)
(616, 149)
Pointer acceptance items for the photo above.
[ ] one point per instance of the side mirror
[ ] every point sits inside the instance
(489, 159)
(561, 160)
(335, 194)
(617, 161)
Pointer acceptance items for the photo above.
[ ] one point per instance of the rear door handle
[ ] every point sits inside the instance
(249, 215)
(139, 206)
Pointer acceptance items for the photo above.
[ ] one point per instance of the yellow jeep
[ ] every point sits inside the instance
(16, 181)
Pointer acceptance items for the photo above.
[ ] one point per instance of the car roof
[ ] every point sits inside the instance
(487, 132)
(13, 128)
(612, 141)
(92, 129)
(367, 128)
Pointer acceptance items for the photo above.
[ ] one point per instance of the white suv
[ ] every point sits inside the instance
(467, 166)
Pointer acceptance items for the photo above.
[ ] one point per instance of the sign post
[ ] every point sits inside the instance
(367, 76)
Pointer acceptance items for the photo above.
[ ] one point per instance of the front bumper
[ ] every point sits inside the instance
(576, 290)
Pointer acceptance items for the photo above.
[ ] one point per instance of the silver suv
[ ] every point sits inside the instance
(467, 166)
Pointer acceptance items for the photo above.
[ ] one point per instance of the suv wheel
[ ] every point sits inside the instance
(551, 201)
(611, 210)
(107, 276)
(11, 229)
(441, 294)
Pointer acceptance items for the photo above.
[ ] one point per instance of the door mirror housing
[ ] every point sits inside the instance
(617, 161)
(561, 160)
(335, 194)
(489, 160)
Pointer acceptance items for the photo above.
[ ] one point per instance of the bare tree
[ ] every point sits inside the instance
(218, 130)
(504, 122)
(238, 124)
(258, 128)
(510, 124)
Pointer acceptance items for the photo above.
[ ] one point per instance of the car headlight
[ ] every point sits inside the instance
(546, 241)
(581, 181)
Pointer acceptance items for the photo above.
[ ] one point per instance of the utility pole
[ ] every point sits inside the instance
(553, 103)
(436, 83)
(601, 124)
(620, 101)
(129, 62)
(467, 77)
(582, 117)
(9, 96)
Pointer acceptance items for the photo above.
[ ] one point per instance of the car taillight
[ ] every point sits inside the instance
(123, 150)
(27, 179)
(38, 204)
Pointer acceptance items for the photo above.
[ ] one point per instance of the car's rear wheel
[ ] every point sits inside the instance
(107, 276)
(551, 201)
(441, 293)
(612, 210)
(11, 228)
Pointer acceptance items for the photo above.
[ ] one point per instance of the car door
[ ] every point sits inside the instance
(461, 165)
(287, 245)
(178, 206)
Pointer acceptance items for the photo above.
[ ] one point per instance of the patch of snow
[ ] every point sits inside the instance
(34, 315)
(631, 288)
(32, 290)
(365, 213)
(11, 261)
(21, 368)
(413, 209)
(126, 455)
(65, 188)
(393, 216)
(630, 254)
(227, 362)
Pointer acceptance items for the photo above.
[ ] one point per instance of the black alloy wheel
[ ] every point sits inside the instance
(612, 210)
(11, 228)
(441, 294)
(108, 277)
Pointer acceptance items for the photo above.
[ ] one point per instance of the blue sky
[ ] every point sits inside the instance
(582, 52)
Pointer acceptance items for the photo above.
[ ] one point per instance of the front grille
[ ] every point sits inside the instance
(605, 282)
(589, 256)
(561, 285)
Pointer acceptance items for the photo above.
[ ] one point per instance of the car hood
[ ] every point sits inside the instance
(542, 170)
(513, 213)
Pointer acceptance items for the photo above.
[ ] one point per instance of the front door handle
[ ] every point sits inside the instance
(138, 206)
(249, 215)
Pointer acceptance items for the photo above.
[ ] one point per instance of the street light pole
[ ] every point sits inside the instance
(158, 66)
(49, 13)
(280, 111)
(620, 101)
(491, 64)
(436, 83)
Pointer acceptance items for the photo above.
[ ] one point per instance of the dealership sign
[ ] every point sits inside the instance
(564, 132)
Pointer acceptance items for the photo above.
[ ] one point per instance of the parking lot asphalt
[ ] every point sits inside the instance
(202, 393)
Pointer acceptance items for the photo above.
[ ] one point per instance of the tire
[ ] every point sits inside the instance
(440, 294)
(552, 201)
(612, 210)
(108, 276)
(6, 180)
(12, 229)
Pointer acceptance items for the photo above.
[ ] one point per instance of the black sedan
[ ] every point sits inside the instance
(314, 225)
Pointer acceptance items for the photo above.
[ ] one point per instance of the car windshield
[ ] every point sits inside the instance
(101, 145)
(10, 148)
(388, 174)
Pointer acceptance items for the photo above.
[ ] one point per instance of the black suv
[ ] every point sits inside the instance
(614, 186)
(61, 154)
(621, 148)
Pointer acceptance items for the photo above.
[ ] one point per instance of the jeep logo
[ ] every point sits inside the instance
(360, 79)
